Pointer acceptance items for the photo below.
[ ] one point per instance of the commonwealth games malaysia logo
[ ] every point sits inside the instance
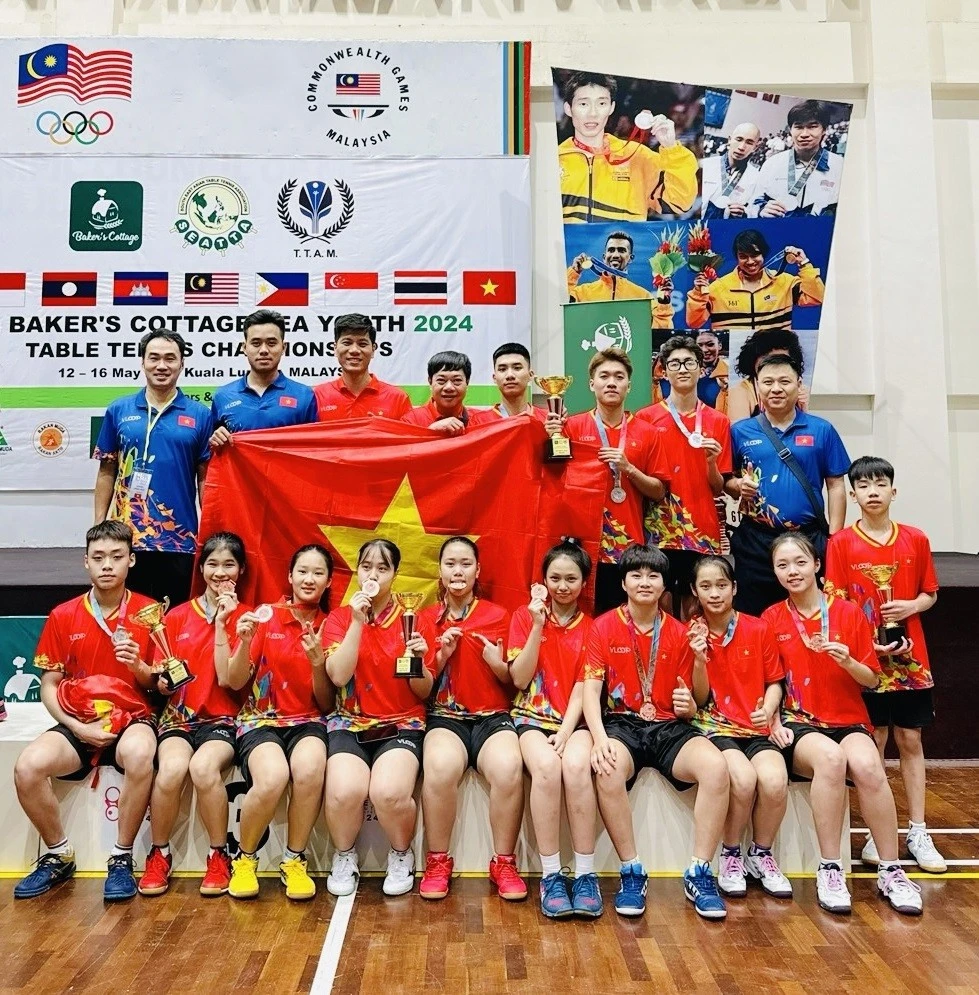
(316, 205)
(213, 214)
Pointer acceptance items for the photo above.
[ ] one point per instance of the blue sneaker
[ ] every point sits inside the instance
(586, 899)
(700, 886)
(630, 899)
(121, 882)
(51, 870)
(554, 901)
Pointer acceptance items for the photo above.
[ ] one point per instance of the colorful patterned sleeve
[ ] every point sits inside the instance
(334, 629)
(836, 568)
(858, 638)
(594, 667)
(771, 661)
(51, 652)
(520, 625)
(107, 444)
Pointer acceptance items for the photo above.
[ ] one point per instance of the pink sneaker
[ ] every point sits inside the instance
(503, 873)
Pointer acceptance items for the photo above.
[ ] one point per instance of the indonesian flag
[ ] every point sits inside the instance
(343, 483)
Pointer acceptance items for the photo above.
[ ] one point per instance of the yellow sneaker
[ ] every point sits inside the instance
(244, 880)
(299, 885)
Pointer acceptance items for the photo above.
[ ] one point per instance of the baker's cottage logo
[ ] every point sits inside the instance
(106, 216)
(213, 213)
(358, 90)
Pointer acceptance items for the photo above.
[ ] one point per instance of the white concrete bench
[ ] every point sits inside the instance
(663, 819)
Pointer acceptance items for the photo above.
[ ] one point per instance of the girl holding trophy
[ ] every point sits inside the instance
(282, 726)
(197, 727)
(383, 671)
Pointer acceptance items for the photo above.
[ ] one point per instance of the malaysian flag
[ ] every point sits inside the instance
(358, 84)
(210, 288)
(68, 70)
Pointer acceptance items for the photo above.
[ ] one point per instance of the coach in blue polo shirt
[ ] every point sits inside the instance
(264, 397)
(773, 499)
(152, 451)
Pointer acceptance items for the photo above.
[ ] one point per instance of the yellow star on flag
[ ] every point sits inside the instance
(489, 288)
(402, 524)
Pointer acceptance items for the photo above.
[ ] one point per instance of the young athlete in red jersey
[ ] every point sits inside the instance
(377, 730)
(282, 727)
(91, 637)
(827, 655)
(903, 698)
(745, 675)
(512, 374)
(547, 654)
(469, 722)
(197, 727)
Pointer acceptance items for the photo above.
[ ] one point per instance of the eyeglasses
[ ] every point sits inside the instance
(675, 365)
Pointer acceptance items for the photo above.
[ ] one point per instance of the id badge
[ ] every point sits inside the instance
(140, 485)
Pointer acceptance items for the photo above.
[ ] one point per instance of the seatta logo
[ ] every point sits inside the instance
(51, 439)
(318, 219)
(213, 214)
(358, 90)
(106, 216)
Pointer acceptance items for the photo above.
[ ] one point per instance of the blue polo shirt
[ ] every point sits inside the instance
(161, 509)
(242, 408)
(781, 503)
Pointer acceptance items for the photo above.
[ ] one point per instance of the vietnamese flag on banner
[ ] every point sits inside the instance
(341, 484)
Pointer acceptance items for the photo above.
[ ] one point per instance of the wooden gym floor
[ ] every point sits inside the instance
(69, 941)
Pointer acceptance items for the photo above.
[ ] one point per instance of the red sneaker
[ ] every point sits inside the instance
(218, 875)
(438, 874)
(503, 873)
(156, 874)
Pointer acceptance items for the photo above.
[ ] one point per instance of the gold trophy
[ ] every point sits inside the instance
(881, 575)
(175, 673)
(558, 445)
(408, 666)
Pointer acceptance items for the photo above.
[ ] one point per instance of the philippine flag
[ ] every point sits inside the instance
(344, 289)
(13, 288)
(282, 290)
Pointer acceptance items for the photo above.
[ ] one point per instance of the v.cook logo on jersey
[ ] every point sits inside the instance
(358, 88)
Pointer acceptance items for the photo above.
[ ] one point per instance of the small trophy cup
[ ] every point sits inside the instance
(175, 673)
(408, 666)
(558, 446)
(880, 575)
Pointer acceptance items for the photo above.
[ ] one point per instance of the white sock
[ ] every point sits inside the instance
(292, 854)
(121, 851)
(916, 825)
(164, 848)
(823, 861)
(696, 863)
(550, 864)
(62, 849)
(626, 865)
(584, 863)
(218, 849)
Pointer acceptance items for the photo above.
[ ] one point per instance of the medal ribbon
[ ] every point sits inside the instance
(733, 175)
(208, 615)
(100, 618)
(603, 435)
(797, 183)
(823, 620)
(600, 267)
(698, 417)
(645, 673)
(732, 626)
(151, 423)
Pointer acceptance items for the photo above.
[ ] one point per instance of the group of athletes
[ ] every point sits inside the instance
(671, 674)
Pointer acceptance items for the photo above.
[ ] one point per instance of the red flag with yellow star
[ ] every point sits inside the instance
(343, 483)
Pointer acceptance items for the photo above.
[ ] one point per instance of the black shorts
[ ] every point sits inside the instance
(608, 588)
(368, 749)
(88, 757)
(837, 734)
(203, 732)
(473, 732)
(286, 736)
(904, 709)
(750, 746)
(652, 744)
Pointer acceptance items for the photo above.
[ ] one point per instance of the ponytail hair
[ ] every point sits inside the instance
(570, 547)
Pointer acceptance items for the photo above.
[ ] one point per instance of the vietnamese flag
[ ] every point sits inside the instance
(343, 483)
(489, 287)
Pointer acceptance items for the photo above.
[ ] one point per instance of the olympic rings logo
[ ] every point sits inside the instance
(75, 126)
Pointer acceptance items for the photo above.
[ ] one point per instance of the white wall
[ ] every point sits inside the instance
(898, 364)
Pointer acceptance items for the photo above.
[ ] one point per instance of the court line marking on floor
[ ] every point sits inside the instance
(326, 969)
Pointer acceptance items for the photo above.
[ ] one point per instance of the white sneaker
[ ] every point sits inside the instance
(903, 894)
(400, 878)
(921, 847)
(730, 877)
(831, 889)
(343, 873)
(764, 868)
(869, 853)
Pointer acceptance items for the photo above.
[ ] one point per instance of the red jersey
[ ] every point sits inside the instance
(687, 517)
(560, 665)
(622, 524)
(852, 549)
(282, 676)
(427, 414)
(738, 674)
(818, 691)
(203, 699)
(496, 412)
(611, 656)
(374, 696)
(73, 642)
(336, 402)
(467, 687)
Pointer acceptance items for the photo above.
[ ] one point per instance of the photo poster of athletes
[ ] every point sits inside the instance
(395, 181)
(716, 206)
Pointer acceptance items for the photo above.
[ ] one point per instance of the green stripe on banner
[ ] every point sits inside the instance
(589, 328)
(99, 397)
(20, 680)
